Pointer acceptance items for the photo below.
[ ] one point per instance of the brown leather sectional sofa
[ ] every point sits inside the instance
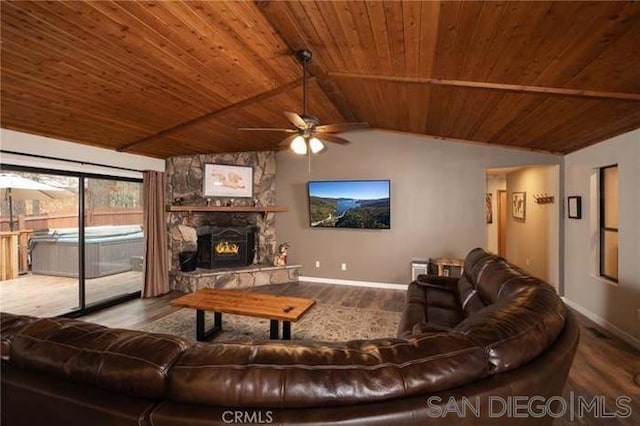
(464, 345)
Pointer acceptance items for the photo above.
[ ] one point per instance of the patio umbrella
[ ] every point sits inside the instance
(17, 188)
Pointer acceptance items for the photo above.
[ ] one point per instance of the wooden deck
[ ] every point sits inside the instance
(46, 295)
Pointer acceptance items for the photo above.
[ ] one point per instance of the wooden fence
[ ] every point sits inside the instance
(70, 220)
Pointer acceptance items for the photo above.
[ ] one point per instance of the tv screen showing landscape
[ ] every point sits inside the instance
(364, 204)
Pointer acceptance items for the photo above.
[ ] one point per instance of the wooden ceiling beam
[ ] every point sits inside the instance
(214, 114)
(293, 36)
(559, 91)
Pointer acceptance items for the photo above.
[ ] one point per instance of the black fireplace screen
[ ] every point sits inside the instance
(224, 247)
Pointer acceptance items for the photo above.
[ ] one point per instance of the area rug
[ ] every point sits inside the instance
(323, 322)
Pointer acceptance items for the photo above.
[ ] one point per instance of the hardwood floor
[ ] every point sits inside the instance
(604, 366)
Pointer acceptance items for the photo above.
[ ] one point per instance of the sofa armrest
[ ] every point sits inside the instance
(441, 283)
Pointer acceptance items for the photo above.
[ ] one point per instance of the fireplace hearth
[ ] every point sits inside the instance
(226, 247)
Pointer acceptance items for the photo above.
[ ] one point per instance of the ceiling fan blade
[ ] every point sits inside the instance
(341, 127)
(287, 141)
(268, 129)
(296, 120)
(325, 137)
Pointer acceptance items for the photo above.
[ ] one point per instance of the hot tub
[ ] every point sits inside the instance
(108, 250)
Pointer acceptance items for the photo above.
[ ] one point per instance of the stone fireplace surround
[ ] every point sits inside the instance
(184, 182)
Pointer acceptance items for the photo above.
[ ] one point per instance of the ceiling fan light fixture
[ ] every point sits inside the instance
(316, 145)
(299, 145)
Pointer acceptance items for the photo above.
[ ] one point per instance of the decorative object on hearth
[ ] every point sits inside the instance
(221, 180)
(488, 208)
(280, 258)
(188, 261)
(309, 137)
(574, 207)
(518, 205)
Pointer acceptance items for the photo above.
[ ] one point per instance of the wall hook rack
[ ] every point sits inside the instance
(543, 198)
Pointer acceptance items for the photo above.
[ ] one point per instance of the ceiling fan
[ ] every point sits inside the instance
(309, 136)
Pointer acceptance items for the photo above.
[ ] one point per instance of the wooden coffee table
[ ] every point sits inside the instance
(275, 308)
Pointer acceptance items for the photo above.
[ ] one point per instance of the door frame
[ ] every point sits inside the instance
(502, 220)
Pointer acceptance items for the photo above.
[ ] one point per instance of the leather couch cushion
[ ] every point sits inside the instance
(323, 374)
(132, 362)
(443, 317)
(414, 313)
(474, 263)
(470, 301)
(10, 324)
(433, 303)
(33, 399)
(516, 329)
(497, 274)
(442, 298)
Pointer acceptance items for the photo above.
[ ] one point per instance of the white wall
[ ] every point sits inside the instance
(39, 145)
(614, 304)
(494, 183)
(437, 202)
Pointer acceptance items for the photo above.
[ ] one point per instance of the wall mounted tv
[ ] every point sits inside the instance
(364, 204)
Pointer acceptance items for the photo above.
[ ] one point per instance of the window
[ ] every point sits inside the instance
(609, 222)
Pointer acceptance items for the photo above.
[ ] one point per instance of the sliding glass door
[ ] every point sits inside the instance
(70, 242)
(113, 239)
(39, 223)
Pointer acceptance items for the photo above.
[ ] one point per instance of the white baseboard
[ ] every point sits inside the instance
(616, 331)
(354, 283)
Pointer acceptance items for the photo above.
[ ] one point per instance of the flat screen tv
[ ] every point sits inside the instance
(364, 204)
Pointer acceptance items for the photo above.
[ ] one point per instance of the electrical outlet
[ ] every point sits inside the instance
(527, 261)
(317, 263)
(343, 267)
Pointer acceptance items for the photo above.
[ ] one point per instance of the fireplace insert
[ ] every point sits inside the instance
(225, 247)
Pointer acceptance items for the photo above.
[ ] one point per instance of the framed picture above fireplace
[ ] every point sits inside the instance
(222, 180)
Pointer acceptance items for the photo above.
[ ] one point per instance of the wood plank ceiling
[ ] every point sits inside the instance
(173, 78)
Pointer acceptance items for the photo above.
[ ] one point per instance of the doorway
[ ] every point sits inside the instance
(531, 239)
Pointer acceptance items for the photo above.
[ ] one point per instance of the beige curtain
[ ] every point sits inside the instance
(156, 262)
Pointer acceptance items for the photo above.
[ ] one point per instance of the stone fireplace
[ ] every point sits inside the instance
(184, 187)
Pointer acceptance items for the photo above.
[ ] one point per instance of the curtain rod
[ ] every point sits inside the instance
(70, 161)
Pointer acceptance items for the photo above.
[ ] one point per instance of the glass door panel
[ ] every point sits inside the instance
(40, 240)
(113, 239)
